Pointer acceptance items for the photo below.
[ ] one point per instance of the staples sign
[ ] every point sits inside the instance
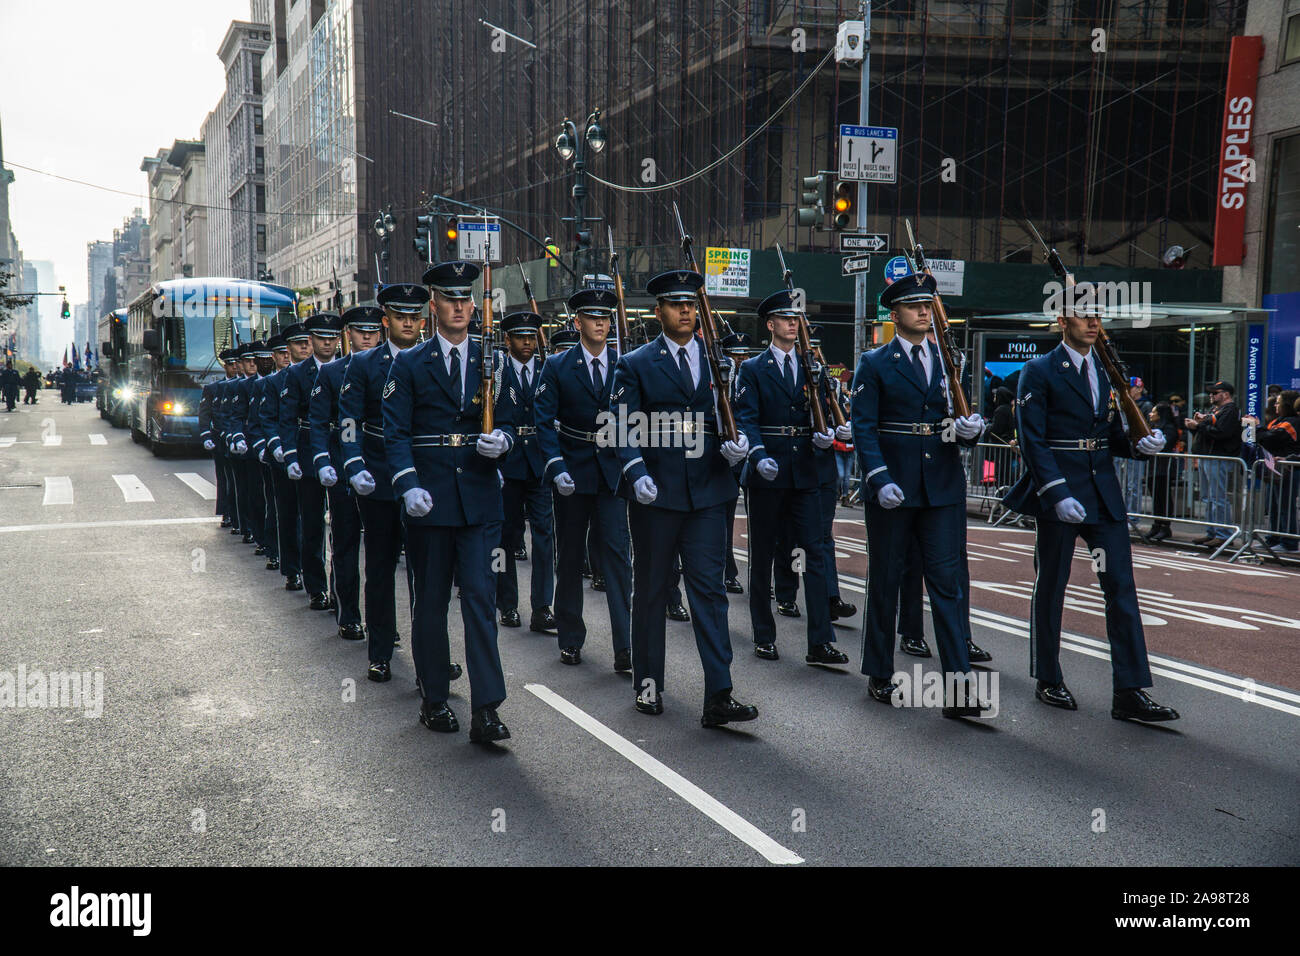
(1236, 150)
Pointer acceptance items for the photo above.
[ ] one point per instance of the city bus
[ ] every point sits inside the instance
(175, 330)
(113, 379)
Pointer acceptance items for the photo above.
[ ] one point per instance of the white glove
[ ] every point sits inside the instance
(890, 496)
(209, 444)
(328, 476)
(418, 502)
(261, 454)
(1070, 511)
(1152, 444)
(294, 471)
(767, 468)
(564, 484)
(241, 447)
(645, 489)
(972, 426)
(492, 445)
(278, 453)
(844, 432)
(363, 482)
(823, 439)
(736, 451)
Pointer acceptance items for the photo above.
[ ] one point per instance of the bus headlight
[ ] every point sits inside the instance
(126, 394)
(173, 408)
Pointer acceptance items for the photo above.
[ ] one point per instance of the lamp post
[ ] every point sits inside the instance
(385, 226)
(572, 148)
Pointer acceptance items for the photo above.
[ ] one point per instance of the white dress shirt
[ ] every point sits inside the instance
(519, 371)
(692, 349)
(447, 348)
(779, 357)
(927, 360)
(603, 358)
(1077, 359)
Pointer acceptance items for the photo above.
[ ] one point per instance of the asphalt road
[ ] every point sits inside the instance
(238, 729)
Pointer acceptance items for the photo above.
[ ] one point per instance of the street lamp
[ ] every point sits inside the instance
(385, 226)
(570, 147)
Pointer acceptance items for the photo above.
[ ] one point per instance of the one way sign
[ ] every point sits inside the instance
(864, 241)
(857, 264)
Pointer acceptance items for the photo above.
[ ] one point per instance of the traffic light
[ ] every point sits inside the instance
(846, 200)
(67, 311)
(583, 239)
(452, 232)
(423, 227)
(813, 196)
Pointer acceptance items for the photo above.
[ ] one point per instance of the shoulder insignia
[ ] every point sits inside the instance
(346, 386)
(284, 391)
(859, 388)
(316, 390)
(389, 387)
(540, 388)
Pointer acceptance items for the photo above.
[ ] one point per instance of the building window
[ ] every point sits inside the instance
(261, 237)
(257, 79)
(259, 160)
(261, 199)
(1282, 250)
(257, 120)
(1291, 41)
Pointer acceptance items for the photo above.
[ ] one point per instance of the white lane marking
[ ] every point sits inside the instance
(58, 491)
(133, 488)
(98, 440)
(7, 440)
(728, 819)
(52, 440)
(80, 525)
(206, 489)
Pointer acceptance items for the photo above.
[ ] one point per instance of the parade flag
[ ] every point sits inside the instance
(76, 358)
(65, 358)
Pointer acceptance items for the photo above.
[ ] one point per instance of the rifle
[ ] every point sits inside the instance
(949, 353)
(532, 304)
(1116, 370)
(485, 345)
(712, 347)
(839, 410)
(813, 372)
(620, 316)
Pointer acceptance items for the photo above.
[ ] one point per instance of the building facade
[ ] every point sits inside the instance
(99, 264)
(161, 176)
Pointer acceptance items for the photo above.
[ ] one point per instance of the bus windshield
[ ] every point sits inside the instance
(191, 343)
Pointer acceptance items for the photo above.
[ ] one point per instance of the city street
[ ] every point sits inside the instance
(238, 729)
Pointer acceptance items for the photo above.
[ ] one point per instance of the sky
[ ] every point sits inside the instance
(87, 90)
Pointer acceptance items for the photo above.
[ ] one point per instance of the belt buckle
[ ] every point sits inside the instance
(688, 427)
(455, 440)
(920, 428)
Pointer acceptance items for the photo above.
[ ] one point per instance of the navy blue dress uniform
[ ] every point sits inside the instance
(268, 543)
(365, 465)
(295, 441)
(738, 346)
(688, 513)
(1068, 441)
(288, 523)
(432, 419)
(568, 406)
(221, 398)
(781, 477)
(248, 481)
(211, 436)
(327, 453)
(524, 489)
(903, 437)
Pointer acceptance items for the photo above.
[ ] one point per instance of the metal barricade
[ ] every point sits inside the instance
(991, 469)
(1274, 522)
(1174, 488)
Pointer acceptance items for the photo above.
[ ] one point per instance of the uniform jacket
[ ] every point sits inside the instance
(565, 395)
(361, 404)
(268, 413)
(254, 432)
(648, 380)
(1054, 403)
(886, 388)
(525, 460)
(323, 414)
(763, 400)
(238, 398)
(418, 403)
(208, 426)
(295, 407)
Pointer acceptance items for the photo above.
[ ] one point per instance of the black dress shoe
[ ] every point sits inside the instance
(650, 705)
(570, 655)
(456, 670)
(722, 708)
(293, 583)
(273, 564)
(623, 660)
(1137, 705)
(678, 613)
(225, 522)
(542, 621)
(510, 618)
(248, 539)
(598, 582)
(332, 603)
(1058, 695)
(881, 689)
(915, 646)
(733, 586)
(259, 551)
(438, 716)
(352, 632)
(841, 609)
(521, 553)
(767, 652)
(976, 653)
(826, 654)
(1161, 533)
(957, 711)
(320, 602)
(379, 672)
(788, 608)
(485, 726)
(236, 531)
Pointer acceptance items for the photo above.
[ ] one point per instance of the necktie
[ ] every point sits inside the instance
(455, 377)
(789, 373)
(918, 364)
(527, 380)
(1087, 381)
(596, 380)
(686, 371)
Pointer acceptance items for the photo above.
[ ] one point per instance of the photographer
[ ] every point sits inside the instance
(1218, 434)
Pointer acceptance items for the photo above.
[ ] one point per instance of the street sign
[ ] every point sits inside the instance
(896, 268)
(472, 236)
(864, 241)
(855, 264)
(869, 153)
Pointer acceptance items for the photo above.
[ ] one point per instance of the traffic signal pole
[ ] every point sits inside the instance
(860, 283)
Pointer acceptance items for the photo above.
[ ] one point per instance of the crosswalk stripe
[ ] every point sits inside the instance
(7, 440)
(58, 491)
(206, 489)
(98, 440)
(133, 488)
(53, 440)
